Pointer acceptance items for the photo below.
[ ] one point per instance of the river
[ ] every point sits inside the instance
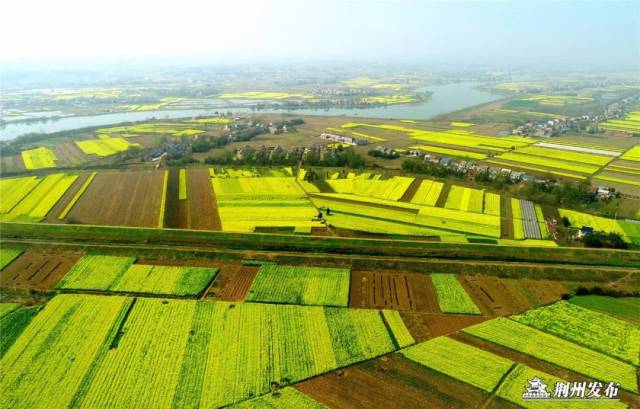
(444, 98)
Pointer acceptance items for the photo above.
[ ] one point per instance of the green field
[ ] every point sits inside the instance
(555, 350)
(453, 221)
(39, 158)
(301, 285)
(427, 193)
(119, 274)
(7, 308)
(36, 203)
(579, 220)
(12, 324)
(624, 308)
(56, 351)
(386, 189)
(463, 362)
(452, 297)
(7, 255)
(465, 199)
(551, 162)
(245, 203)
(78, 350)
(13, 190)
(401, 334)
(590, 329)
(105, 145)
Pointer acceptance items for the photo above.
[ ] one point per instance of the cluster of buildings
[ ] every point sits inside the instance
(589, 123)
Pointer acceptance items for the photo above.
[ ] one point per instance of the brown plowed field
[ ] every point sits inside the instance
(38, 271)
(393, 381)
(52, 217)
(398, 291)
(626, 397)
(233, 282)
(495, 296)
(544, 291)
(68, 154)
(202, 209)
(425, 326)
(171, 201)
(120, 199)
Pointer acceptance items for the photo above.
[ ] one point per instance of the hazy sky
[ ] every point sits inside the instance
(547, 33)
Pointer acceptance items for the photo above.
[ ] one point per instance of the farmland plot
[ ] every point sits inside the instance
(302, 285)
(37, 270)
(55, 352)
(393, 382)
(388, 189)
(496, 296)
(119, 274)
(451, 295)
(465, 199)
(7, 255)
(39, 158)
(120, 199)
(35, 205)
(398, 291)
(149, 353)
(554, 350)
(12, 325)
(428, 193)
(13, 190)
(590, 329)
(463, 362)
(623, 308)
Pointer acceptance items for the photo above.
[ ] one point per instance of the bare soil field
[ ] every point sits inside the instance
(68, 154)
(171, 217)
(425, 326)
(495, 296)
(391, 290)
(120, 199)
(393, 381)
(202, 207)
(10, 164)
(544, 291)
(52, 217)
(626, 397)
(37, 270)
(233, 282)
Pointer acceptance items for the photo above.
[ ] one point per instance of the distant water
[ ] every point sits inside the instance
(445, 98)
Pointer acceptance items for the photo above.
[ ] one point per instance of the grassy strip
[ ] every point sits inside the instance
(73, 201)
